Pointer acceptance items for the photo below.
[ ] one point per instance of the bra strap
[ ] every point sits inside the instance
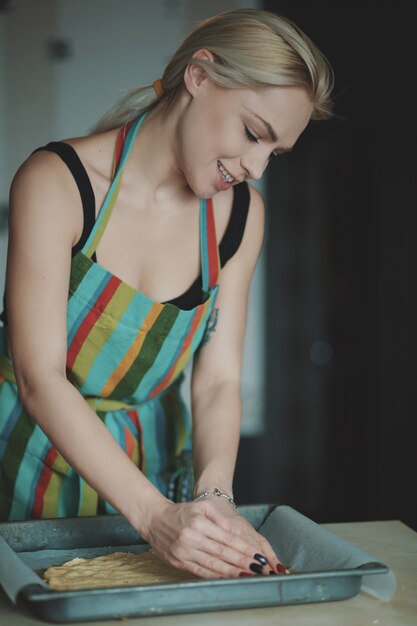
(128, 137)
(210, 259)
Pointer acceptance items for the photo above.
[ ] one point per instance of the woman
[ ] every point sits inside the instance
(93, 348)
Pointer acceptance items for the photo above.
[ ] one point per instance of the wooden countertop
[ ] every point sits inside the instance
(391, 542)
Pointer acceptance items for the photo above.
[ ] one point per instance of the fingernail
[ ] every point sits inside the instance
(255, 568)
(244, 574)
(261, 558)
(281, 569)
(272, 573)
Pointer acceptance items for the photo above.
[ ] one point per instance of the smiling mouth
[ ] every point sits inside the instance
(226, 175)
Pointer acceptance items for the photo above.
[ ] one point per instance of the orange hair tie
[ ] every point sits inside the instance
(159, 90)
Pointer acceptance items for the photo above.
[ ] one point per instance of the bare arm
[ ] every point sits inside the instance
(217, 368)
(216, 399)
(44, 223)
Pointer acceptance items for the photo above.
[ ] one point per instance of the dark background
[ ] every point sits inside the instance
(339, 443)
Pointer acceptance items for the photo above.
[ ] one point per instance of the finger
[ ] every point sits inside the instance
(231, 547)
(203, 534)
(200, 564)
(189, 566)
(204, 572)
(212, 565)
(243, 548)
(269, 553)
(217, 558)
(263, 549)
(226, 554)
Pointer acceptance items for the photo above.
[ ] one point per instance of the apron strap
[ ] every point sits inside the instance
(121, 138)
(6, 370)
(210, 259)
(127, 140)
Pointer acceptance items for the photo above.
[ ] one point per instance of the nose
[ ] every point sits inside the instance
(253, 164)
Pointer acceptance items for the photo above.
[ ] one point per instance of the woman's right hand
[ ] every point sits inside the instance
(190, 537)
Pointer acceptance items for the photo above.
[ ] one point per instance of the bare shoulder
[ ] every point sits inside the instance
(96, 152)
(44, 188)
(40, 167)
(46, 171)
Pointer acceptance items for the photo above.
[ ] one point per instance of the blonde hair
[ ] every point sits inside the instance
(252, 48)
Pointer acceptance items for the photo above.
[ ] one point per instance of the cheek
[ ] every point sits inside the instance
(206, 136)
(223, 137)
(214, 130)
(197, 168)
(187, 142)
(196, 138)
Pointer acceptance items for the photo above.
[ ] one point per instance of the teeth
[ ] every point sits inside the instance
(227, 177)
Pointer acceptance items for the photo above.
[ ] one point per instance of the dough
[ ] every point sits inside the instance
(114, 570)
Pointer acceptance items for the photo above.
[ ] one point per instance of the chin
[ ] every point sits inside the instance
(206, 196)
(202, 191)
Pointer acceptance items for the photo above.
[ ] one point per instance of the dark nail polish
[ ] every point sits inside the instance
(281, 569)
(272, 573)
(244, 574)
(260, 558)
(255, 567)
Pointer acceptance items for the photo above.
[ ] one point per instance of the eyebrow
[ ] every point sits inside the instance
(268, 127)
(271, 132)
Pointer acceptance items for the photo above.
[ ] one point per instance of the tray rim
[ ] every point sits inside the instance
(44, 600)
(40, 592)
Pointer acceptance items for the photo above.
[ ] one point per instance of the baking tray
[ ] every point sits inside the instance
(42, 543)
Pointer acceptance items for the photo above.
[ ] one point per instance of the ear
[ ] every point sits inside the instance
(194, 75)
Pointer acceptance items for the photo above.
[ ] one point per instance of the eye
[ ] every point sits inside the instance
(249, 135)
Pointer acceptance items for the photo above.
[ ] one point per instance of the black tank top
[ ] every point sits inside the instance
(227, 248)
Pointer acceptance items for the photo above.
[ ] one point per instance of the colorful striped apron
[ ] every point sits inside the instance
(126, 355)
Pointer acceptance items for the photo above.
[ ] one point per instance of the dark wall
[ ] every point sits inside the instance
(339, 443)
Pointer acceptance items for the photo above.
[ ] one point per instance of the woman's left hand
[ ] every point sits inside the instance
(234, 522)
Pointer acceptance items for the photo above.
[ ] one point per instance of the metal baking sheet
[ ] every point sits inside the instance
(39, 544)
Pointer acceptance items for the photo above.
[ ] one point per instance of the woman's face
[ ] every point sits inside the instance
(229, 135)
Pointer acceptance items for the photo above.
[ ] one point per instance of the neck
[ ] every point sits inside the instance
(154, 164)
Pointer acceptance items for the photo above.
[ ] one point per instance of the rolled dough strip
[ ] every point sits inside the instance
(114, 570)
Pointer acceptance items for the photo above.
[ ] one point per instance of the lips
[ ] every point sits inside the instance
(229, 178)
(221, 182)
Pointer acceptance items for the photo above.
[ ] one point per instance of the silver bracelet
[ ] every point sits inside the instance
(216, 492)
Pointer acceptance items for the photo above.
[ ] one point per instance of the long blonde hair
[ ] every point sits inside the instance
(252, 48)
